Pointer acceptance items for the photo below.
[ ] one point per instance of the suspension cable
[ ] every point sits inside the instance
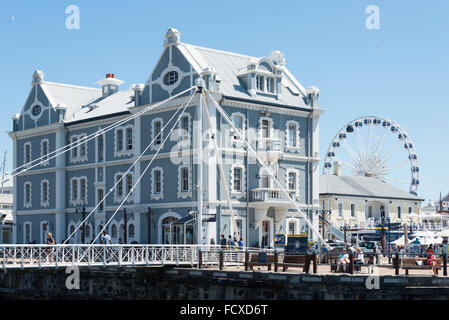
(129, 169)
(91, 136)
(140, 177)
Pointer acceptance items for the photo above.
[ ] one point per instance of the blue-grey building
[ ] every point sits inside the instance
(277, 115)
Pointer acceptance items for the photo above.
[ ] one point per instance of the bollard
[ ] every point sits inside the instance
(396, 264)
(246, 260)
(444, 264)
(276, 257)
(200, 259)
(351, 263)
(315, 264)
(220, 266)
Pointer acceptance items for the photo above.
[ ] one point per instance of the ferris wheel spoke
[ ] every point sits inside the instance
(350, 151)
(397, 164)
(346, 163)
(397, 180)
(390, 152)
(380, 143)
(360, 146)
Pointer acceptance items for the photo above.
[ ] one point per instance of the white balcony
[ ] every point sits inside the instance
(269, 197)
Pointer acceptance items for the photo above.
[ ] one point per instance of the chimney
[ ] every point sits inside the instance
(137, 88)
(109, 84)
(337, 168)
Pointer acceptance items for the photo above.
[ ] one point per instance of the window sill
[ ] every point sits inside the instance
(78, 159)
(185, 194)
(157, 196)
(293, 149)
(120, 199)
(124, 153)
(45, 204)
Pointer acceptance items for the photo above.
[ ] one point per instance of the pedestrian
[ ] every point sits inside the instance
(50, 241)
(105, 238)
(230, 243)
(120, 241)
(431, 261)
(240, 244)
(358, 259)
(223, 241)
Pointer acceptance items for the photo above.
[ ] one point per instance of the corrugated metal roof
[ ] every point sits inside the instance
(361, 186)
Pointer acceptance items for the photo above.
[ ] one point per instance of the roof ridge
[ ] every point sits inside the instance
(221, 51)
(70, 85)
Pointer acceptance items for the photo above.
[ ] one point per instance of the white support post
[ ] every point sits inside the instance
(200, 167)
(146, 255)
(39, 261)
(120, 253)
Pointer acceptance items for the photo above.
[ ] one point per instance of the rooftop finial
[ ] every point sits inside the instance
(38, 77)
(173, 36)
(278, 57)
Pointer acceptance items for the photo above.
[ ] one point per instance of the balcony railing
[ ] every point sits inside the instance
(268, 194)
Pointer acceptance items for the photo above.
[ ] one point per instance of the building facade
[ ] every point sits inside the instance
(274, 111)
(6, 206)
(361, 202)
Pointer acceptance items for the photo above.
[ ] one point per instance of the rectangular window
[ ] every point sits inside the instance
(27, 193)
(44, 150)
(100, 148)
(129, 138)
(399, 212)
(265, 234)
(28, 233)
(292, 141)
(129, 183)
(238, 179)
(340, 209)
(83, 189)
(292, 181)
(157, 131)
(119, 138)
(83, 147)
(260, 83)
(185, 127)
(239, 228)
(27, 153)
(157, 182)
(352, 210)
(185, 179)
(119, 185)
(270, 85)
(409, 210)
(100, 197)
(75, 148)
(265, 128)
(44, 191)
(291, 228)
(74, 189)
(238, 122)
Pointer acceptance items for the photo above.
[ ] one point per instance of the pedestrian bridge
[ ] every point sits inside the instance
(63, 255)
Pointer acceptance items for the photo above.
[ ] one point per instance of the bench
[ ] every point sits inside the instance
(296, 260)
(367, 262)
(254, 261)
(410, 263)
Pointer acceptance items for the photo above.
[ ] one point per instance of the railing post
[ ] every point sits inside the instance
(146, 256)
(162, 255)
(73, 254)
(120, 253)
(4, 258)
(177, 256)
(133, 256)
(21, 257)
(314, 262)
(396, 263)
(444, 264)
(351, 262)
(200, 258)
(39, 252)
(104, 255)
(276, 257)
(246, 260)
(56, 256)
(220, 263)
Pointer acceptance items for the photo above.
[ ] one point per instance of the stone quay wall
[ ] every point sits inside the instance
(179, 283)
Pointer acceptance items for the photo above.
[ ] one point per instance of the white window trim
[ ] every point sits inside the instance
(342, 210)
(287, 136)
(263, 82)
(43, 240)
(295, 171)
(153, 134)
(45, 163)
(79, 201)
(25, 204)
(30, 111)
(88, 238)
(124, 152)
(184, 194)
(270, 121)
(242, 193)
(117, 225)
(157, 196)
(124, 181)
(187, 141)
(173, 86)
(47, 202)
(76, 237)
(78, 158)
(24, 231)
(235, 140)
(25, 162)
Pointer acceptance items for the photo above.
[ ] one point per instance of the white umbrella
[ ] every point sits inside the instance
(400, 241)
(437, 240)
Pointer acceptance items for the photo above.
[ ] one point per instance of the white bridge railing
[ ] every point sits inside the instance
(38, 256)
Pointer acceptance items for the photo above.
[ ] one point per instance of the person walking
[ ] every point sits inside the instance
(223, 241)
(105, 238)
(230, 243)
(50, 241)
(240, 244)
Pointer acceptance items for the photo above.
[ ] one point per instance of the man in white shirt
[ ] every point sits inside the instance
(105, 238)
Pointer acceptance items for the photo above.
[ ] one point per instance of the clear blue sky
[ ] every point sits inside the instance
(399, 72)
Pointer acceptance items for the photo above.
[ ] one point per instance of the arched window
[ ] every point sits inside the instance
(166, 229)
(87, 232)
(114, 231)
(131, 230)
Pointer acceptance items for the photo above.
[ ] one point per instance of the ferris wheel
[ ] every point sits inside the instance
(375, 147)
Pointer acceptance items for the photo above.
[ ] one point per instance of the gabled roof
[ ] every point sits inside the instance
(359, 186)
(229, 65)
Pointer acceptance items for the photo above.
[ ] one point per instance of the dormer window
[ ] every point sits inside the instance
(270, 84)
(260, 81)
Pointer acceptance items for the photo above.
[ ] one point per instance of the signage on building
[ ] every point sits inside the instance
(279, 239)
(297, 244)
